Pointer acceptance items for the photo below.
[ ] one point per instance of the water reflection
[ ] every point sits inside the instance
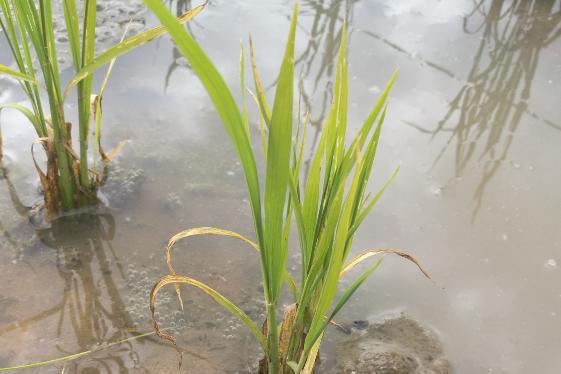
(487, 111)
(94, 308)
(17, 204)
(21, 209)
(322, 28)
(177, 59)
(90, 307)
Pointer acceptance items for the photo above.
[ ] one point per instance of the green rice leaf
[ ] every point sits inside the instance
(20, 52)
(362, 135)
(72, 30)
(278, 165)
(313, 337)
(366, 210)
(297, 207)
(259, 91)
(293, 365)
(222, 99)
(85, 88)
(35, 27)
(28, 114)
(310, 204)
(336, 256)
(49, 42)
(262, 133)
(245, 115)
(16, 74)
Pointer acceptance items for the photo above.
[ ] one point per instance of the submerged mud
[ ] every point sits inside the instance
(122, 185)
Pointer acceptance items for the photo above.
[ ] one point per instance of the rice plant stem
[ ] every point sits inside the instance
(272, 337)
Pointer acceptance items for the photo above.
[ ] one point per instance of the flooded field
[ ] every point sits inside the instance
(474, 122)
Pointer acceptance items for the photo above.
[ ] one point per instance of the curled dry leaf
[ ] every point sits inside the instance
(194, 232)
(48, 180)
(375, 252)
(311, 361)
(215, 295)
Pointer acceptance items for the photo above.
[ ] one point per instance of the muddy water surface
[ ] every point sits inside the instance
(474, 123)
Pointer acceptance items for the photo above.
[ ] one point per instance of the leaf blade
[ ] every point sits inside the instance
(278, 164)
(16, 74)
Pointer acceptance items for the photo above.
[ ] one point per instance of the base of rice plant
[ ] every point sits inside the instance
(327, 206)
(72, 175)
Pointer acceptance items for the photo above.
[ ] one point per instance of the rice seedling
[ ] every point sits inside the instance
(72, 176)
(327, 206)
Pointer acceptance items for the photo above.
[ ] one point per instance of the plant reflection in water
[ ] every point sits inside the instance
(91, 306)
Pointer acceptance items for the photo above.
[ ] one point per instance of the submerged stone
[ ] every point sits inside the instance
(397, 345)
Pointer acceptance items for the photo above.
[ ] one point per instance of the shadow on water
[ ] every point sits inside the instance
(90, 306)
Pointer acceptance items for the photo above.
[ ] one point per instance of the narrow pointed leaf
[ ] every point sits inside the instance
(222, 99)
(259, 91)
(16, 74)
(366, 210)
(278, 164)
(341, 302)
(27, 113)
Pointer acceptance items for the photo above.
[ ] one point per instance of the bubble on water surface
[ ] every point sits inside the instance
(436, 190)
(550, 264)
(374, 90)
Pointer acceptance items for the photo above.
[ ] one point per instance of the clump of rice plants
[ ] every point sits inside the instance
(72, 176)
(327, 206)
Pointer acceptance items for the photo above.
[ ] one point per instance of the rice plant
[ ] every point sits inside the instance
(327, 206)
(72, 176)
